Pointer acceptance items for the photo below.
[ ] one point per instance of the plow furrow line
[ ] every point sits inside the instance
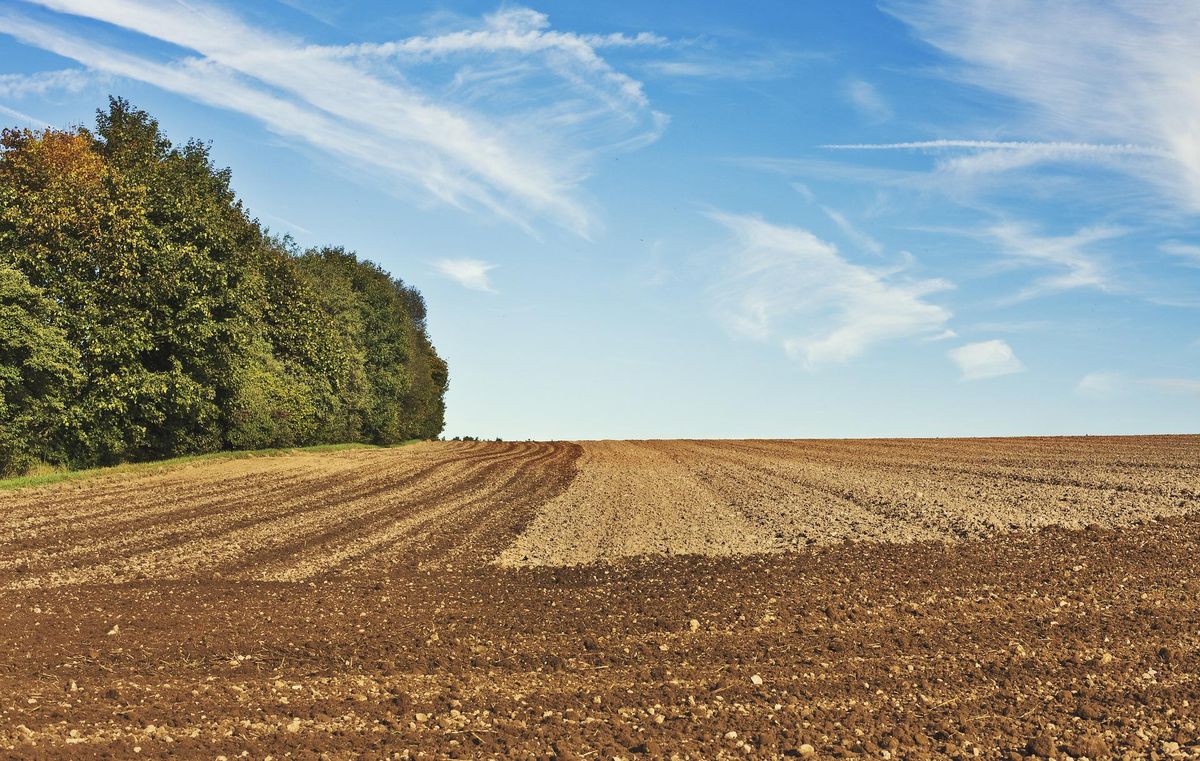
(301, 561)
(210, 545)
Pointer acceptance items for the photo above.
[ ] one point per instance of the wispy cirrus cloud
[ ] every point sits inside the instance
(710, 60)
(715, 67)
(1070, 261)
(1074, 265)
(967, 158)
(865, 97)
(785, 284)
(1101, 384)
(513, 29)
(1108, 385)
(1188, 253)
(523, 35)
(1050, 148)
(1188, 386)
(1124, 75)
(43, 82)
(519, 153)
(469, 273)
(863, 240)
(26, 119)
(985, 359)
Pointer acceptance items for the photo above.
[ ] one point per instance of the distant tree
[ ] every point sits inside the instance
(404, 380)
(191, 328)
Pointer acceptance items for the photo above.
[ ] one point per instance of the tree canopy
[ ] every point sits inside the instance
(145, 314)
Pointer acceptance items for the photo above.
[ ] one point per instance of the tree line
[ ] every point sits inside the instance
(144, 314)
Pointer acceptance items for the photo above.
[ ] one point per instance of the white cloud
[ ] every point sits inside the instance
(966, 159)
(945, 335)
(1188, 252)
(1104, 385)
(1188, 386)
(712, 64)
(1015, 326)
(1122, 72)
(861, 239)
(805, 191)
(446, 122)
(1076, 266)
(469, 273)
(1100, 385)
(510, 28)
(25, 119)
(1058, 149)
(866, 98)
(781, 278)
(985, 359)
(43, 82)
(910, 181)
(526, 33)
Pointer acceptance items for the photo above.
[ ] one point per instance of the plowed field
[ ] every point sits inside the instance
(885, 599)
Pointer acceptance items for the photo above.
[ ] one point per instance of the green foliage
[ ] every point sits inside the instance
(398, 393)
(39, 374)
(158, 319)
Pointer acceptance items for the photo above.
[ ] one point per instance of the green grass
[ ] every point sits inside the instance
(53, 475)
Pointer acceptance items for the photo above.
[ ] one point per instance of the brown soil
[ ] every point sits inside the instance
(737, 497)
(868, 599)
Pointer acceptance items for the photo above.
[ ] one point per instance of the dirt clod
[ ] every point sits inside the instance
(1091, 747)
(1043, 746)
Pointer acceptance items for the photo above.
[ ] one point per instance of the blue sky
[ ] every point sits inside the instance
(683, 219)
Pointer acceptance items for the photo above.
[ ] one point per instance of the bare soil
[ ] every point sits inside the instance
(903, 599)
(739, 497)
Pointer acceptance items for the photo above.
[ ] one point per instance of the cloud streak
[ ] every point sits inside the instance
(866, 98)
(469, 273)
(861, 239)
(43, 82)
(525, 34)
(1108, 385)
(521, 157)
(1188, 253)
(964, 159)
(1075, 266)
(1049, 148)
(24, 117)
(1100, 385)
(715, 67)
(785, 284)
(985, 359)
(1124, 74)
(1188, 386)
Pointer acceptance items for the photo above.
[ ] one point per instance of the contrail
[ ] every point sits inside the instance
(1003, 145)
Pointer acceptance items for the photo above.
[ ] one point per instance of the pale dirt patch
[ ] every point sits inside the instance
(721, 498)
(632, 499)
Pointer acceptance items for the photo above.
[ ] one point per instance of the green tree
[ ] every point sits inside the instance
(39, 376)
(75, 231)
(385, 319)
(192, 328)
(197, 286)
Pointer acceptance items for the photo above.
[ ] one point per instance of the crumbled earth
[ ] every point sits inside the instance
(716, 498)
(351, 604)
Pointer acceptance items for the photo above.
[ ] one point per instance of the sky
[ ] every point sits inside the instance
(708, 219)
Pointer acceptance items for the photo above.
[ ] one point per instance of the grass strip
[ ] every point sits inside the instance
(141, 468)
